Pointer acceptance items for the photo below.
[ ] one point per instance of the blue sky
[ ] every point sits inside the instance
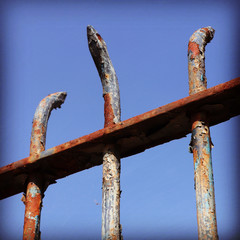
(44, 50)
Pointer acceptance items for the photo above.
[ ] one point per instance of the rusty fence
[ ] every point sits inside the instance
(118, 139)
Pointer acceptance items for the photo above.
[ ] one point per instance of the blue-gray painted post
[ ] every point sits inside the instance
(111, 228)
(201, 144)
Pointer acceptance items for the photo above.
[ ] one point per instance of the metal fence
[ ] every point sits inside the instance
(118, 139)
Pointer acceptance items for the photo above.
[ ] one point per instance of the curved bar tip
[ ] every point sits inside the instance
(111, 227)
(36, 182)
(201, 139)
(196, 59)
(40, 121)
(99, 52)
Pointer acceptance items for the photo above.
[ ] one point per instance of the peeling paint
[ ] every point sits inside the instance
(196, 59)
(203, 176)
(36, 182)
(98, 50)
(111, 162)
(111, 195)
(39, 126)
(201, 141)
(34, 191)
(33, 204)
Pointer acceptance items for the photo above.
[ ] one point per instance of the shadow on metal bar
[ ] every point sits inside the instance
(132, 136)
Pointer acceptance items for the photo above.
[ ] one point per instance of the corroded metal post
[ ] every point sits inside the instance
(111, 228)
(36, 184)
(201, 141)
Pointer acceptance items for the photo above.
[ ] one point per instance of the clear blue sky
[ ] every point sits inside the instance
(44, 50)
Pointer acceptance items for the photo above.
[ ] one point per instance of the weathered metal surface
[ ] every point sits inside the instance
(111, 229)
(196, 59)
(201, 141)
(132, 136)
(33, 205)
(40, 120)
(98, 50)
(203, 178)
(37, 181)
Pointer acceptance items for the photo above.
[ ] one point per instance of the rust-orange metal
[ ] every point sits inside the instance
(33, 205)
(201, 141)
(36, 182)
(158, 126)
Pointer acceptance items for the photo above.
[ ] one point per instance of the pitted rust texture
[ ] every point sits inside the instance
(111, 194)
(37, 180)
(33, 205)
(112, 114)
(108, 111)
(203, 178)
(196, 59)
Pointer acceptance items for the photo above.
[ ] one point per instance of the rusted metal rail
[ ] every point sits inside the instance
(37, 181)
(112, 112)
(201, 143)
(132, 136)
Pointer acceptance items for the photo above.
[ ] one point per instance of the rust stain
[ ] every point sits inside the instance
(99, 37)
(204, 193)
(33, 200)
(194, 48)
(203, 177)
(201, 140)
(33, 204)
(108, 110)
(107, 76)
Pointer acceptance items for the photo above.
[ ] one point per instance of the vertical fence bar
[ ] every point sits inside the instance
(111, 228)
(201, 141)
(36, 183)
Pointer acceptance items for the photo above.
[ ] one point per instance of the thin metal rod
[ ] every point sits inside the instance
(36, 184)
(201, 141)
(111, 228)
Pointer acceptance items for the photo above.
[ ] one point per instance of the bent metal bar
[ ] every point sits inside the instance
(201, 143)
(37, 181)
(111, 228)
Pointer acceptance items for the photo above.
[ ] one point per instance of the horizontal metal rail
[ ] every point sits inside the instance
(131, 136)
